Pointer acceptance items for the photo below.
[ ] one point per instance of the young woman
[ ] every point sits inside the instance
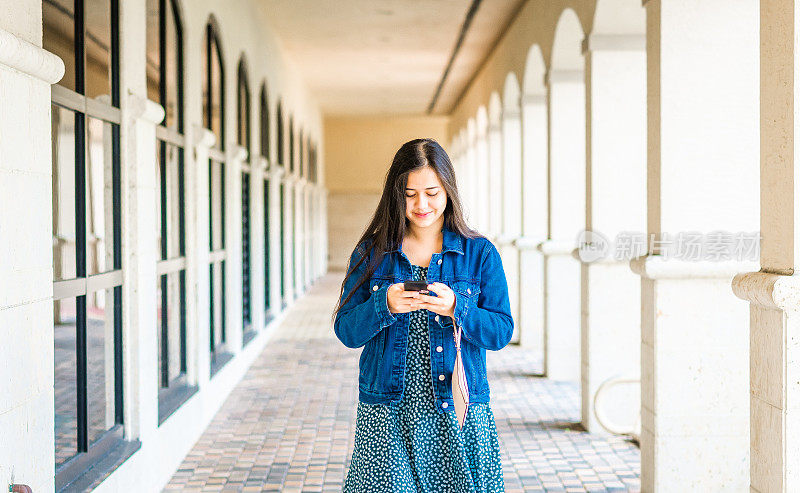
(407, 436)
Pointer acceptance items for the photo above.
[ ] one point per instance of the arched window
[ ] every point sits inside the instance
(282, 200)
(291, 145)
(165, 84)
(264, 119)
(87, 233)
(281, 147)
(243, 139)
(265, 152)
(214, 120)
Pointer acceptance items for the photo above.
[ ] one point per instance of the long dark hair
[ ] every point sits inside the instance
(388, 226)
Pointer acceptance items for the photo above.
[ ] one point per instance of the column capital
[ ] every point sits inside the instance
(203, 137)
(556, 247)
(660, 267)
(528, 242)
(237, 153)
(142, 108)
(768, 290)
(18, 54)
(532, 99)
(556, 76)
(614, 42)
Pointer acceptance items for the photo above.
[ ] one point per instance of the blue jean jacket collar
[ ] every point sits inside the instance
(451, 242)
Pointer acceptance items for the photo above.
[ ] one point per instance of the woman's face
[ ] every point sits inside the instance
(425, 197)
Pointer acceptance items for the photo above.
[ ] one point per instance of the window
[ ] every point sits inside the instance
(214, 120)
(282, 212)
(265, 152)
(87, 253)
(292, 213)
(281, 155)
(165, 85)
(243, 139)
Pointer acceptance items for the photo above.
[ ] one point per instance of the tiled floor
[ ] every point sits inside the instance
(289, 424)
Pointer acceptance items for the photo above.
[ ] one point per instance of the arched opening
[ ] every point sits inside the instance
(511, 128)
(534, 200)
(567, 171)
(243, 139)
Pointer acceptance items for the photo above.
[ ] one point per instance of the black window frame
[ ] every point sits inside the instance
(220, 353)
(172, 393)
(92, 461)
(243, 138)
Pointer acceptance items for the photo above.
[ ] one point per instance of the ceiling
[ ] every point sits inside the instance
(387, 57)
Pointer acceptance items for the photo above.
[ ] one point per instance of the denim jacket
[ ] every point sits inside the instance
(472, 268)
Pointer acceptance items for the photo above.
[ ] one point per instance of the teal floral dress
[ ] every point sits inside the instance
(412, 447)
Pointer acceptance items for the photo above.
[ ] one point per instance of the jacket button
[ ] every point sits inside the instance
(439, 262)
(441, 377)
(444, 404)
(436, 318)
(375, 287)
(438, 349)
(469, 291)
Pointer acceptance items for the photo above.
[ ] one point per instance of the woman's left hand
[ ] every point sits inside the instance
(443, 303)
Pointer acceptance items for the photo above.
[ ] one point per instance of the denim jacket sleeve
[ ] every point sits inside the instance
(366, 313)
(485, 317)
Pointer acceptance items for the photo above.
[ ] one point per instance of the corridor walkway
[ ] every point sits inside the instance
(289, 424)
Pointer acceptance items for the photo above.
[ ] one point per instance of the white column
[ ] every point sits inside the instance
(512, 200)
(702, 122)
(297, 243)
(308, 222)
(197, 227)
(470, 197)
(495, 180)
(773, 291)
(482, 182)
(324, 229)
(276, 175)
(139, 325)
(234, 158)
(534, 221)
(26, 238)
(258, 285)
(567, 133)
(288, 190)
(616, 103)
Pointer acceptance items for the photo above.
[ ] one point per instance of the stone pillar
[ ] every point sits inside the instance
(197, 228)
(469, 179)
(567, 165)
(512, 200)
(297, 238)
(288, 194)
(276, 174)
(495, 203)
(140, 327)
(234, 157)
(482, 181)
(616, 157)
(26, 237)
(257, 243)
(534, 221)
(773, 292)
(323, 207)
(702, 123)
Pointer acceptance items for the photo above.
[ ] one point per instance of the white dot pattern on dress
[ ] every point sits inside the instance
(411, 446)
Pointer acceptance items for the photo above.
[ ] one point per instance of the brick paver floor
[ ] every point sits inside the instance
(289, 424)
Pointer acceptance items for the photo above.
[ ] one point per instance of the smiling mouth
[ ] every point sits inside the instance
(422, 215)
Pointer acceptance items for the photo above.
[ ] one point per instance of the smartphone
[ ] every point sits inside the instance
(415, 286)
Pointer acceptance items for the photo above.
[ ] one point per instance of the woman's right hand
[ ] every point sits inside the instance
(399, 300)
